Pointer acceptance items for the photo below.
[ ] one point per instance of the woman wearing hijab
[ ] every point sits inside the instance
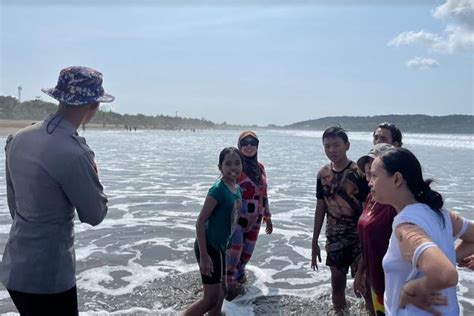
(253, 183)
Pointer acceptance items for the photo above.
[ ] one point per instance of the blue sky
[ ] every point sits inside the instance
(249, 64)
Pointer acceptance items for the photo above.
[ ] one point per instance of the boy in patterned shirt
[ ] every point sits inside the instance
(340, 191)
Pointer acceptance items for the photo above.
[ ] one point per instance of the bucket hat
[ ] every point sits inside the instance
(373, 153)
(78, 86)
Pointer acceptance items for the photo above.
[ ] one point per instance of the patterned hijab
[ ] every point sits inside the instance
(250, 164)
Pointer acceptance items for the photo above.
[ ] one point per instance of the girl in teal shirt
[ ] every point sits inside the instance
(214, 226)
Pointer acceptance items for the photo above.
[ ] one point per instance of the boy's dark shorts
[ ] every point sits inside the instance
(218, 262)
(344, 258)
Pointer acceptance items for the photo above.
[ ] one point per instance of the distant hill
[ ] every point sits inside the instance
(452, 124)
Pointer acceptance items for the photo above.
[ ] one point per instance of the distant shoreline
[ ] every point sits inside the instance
(12, 110)
(12, 126)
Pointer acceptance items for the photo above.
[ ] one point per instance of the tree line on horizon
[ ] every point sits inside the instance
(11, 109)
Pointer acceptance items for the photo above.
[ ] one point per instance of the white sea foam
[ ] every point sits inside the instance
(97, 279)
(233, 309)
(438, 140)
(4, 295)
(134, 312)
(179, 266)
(5, 229)
(82, 253)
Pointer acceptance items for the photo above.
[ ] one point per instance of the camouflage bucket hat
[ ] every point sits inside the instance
(79, 86)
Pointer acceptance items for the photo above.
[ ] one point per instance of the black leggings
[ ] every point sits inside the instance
(60, 304)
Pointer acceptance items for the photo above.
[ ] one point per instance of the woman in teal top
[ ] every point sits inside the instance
(214, 226)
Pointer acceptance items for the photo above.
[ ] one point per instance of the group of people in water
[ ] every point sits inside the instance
(384, 223)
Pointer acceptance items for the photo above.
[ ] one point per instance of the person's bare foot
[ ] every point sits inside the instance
(342, 311)
(234, 291)
(243, 279)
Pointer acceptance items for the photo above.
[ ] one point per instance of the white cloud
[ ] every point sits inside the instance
(459, 39)
(458, 36)
(460, 11)
(411, 37)
(422, 63)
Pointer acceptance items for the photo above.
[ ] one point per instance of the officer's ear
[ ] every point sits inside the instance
(94, 105)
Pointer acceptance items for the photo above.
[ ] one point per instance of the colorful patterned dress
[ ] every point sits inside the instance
(254, 209)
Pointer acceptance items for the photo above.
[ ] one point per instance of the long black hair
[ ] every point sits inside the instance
(404, 161)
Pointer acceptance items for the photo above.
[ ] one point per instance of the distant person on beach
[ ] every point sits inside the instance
(340, 190)
(375, 226)
(214, 226)
(50, 173)
(419, 266)
(255, 209)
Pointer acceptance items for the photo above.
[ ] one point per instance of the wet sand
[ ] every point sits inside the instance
(8, 127)
(175, 293)
(11, 126)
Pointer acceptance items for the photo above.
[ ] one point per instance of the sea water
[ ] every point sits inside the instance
(140, 260)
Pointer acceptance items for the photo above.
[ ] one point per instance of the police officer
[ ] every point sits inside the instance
(50, 174)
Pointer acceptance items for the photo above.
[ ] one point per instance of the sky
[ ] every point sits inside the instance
(249, 62)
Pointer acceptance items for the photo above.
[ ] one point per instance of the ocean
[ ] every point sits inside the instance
(140, 260)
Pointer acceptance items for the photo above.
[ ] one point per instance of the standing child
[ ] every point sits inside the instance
(341, 189)
(214, 227)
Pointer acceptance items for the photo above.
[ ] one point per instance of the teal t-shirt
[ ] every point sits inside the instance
(221, 223)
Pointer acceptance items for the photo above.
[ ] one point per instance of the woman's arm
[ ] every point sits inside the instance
(205, 265)
(439, 272)
(267, 216)
(464, 229)
(465, 255)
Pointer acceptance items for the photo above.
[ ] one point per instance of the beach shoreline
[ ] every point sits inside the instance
(8, 127)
